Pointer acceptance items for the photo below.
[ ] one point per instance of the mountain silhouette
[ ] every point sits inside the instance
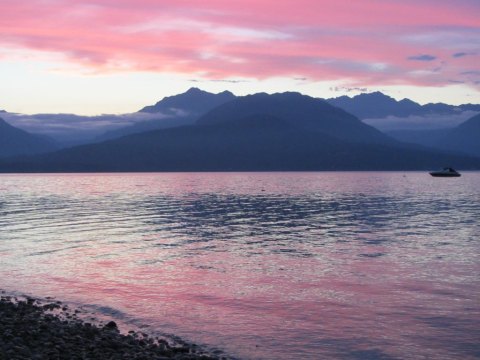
(301, 111)
(378, 105)
(193, 101)
(16, 142)
(254, 142)
(177, 110)
(375, 105)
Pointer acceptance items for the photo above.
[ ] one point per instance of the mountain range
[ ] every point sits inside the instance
(389, 115)
(378, 105)
(260, 132)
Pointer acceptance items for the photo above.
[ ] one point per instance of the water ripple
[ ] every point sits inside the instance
(273, 265)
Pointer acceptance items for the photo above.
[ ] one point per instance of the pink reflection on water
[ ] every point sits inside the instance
(186, 297)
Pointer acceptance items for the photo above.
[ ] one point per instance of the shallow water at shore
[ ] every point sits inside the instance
(261, 265)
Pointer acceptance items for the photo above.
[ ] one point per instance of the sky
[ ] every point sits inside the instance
(96, 57)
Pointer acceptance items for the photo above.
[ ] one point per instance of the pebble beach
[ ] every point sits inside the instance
(41, 329)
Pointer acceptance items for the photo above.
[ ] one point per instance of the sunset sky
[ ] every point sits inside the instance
(116, 56)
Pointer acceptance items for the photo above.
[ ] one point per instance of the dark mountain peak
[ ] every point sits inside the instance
(197, 91)
(376, 105)
(193, 100)
(282, 96)
(278, 104)
(299, 97)
(255, 95)
(226, 93)
(191, 93)
(176, 110)
(194, 90)
(408, 102)
(377, 95)
(470, 107)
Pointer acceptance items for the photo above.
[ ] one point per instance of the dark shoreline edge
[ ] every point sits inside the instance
(32, 328)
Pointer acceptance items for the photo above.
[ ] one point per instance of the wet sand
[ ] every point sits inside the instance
(47, 329)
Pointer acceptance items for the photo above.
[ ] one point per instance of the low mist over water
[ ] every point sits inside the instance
(378, 265)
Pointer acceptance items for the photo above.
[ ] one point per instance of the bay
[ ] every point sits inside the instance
(350, 265)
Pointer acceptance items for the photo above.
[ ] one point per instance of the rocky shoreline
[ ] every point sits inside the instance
(46, 329)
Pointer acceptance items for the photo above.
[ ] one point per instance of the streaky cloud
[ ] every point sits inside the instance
(423, 57)
(229, 39)
(419, 122)
(75, 127)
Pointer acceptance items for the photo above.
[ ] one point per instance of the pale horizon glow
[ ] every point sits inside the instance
(95, 57)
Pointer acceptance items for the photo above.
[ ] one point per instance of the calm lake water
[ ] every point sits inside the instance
(261, 265)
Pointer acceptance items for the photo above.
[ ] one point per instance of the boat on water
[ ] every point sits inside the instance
(445, 172)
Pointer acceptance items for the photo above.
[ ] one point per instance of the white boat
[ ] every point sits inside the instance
(445, 172)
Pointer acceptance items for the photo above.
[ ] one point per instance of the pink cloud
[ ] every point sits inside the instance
(368, 42)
